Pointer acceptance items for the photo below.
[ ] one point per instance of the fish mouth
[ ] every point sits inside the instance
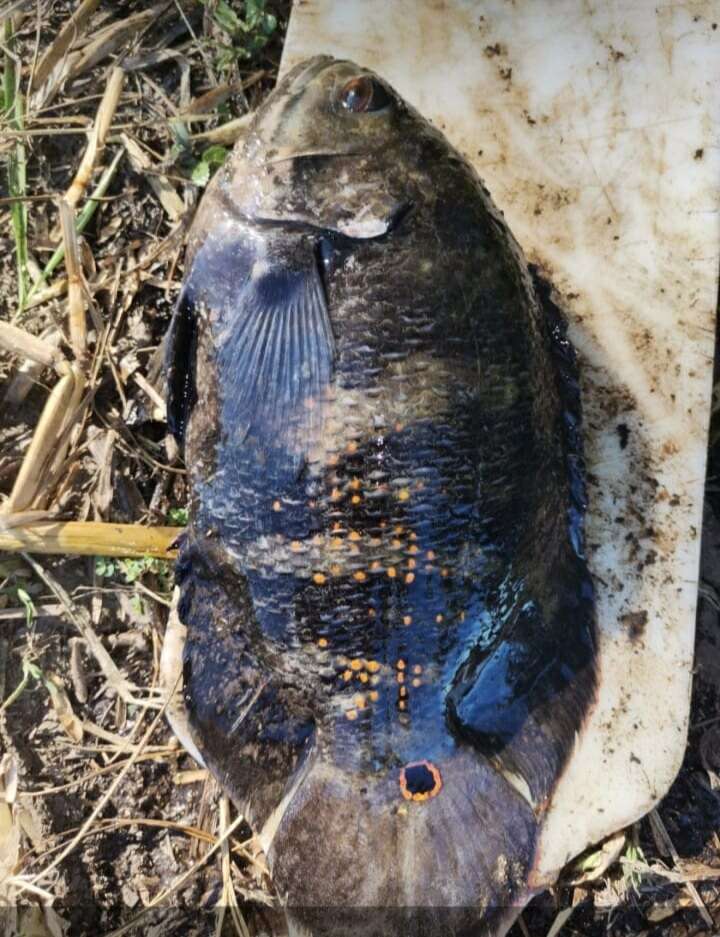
(285, 156)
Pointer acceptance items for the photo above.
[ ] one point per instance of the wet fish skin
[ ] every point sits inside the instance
(384, 560)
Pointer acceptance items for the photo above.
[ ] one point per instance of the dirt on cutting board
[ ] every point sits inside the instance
(66, 736)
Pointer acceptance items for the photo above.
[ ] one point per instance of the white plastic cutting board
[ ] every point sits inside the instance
(596, 127)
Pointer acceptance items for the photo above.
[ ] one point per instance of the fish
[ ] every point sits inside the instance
(391, 638)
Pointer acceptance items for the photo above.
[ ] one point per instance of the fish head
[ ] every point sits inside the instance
(334, 147)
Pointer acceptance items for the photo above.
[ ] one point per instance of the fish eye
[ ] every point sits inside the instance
(363, 94)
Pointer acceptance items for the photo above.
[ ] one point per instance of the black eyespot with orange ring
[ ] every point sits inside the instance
(363, 94)
(420, 780)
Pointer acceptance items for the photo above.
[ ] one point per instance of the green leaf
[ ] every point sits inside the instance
(104, 566)
(215, 155)
(227, 19)
(30, 611)
(201, 173)
(178, 517)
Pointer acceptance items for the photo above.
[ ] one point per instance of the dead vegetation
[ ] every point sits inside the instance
(112, 119)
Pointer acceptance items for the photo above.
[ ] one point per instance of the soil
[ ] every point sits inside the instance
(62, 751)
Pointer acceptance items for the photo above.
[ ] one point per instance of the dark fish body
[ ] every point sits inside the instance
(390, 620)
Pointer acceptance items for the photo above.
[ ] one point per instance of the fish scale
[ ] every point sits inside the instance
(390, 620)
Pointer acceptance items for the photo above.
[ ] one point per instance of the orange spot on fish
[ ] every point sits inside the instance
(417, 668)
(403, 494)
(276, 506)
(359, 576)
(356, 499)
(295, 546)
(319, 579)
(400, 664)
(322, 642)
(347, 675)
(363, 677)
(392, 572)
(351, 714)
(420, 780)
(374, 695)
(356, 664)
(373, 666)
(438, 618)
(335, 543)
(410, 578)
(354, 535)
(430, 555)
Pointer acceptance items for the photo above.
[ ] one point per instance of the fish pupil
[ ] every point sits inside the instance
(363, 94)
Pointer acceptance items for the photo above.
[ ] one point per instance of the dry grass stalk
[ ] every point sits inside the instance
(102, 772)
(76, 294)
(24, 345)
(47, 432)
(185, 877)
(100, 806)
(98, 136)
(81, 619)
(57, 50)
(56, 465)
(108, 40)
(55, 290)
(228, 133)
(666, 845)
(228, 898)
(91, 538)
(166, 194)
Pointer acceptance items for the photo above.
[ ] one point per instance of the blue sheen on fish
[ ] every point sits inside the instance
(391, 638)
